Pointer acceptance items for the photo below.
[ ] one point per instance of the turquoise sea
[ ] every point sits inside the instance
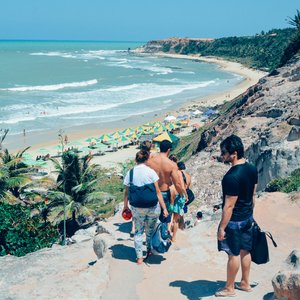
(57, 85)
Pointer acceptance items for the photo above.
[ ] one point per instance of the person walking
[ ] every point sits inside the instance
(235, 228)
(144, 216)
(167, 172)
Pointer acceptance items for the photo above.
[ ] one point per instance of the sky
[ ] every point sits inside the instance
(140, 20)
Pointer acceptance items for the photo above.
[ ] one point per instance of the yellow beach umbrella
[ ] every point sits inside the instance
(162, 137)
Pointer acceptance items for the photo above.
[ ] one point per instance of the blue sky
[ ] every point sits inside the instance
(140, 20)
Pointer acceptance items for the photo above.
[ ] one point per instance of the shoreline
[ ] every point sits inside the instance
(49, 139)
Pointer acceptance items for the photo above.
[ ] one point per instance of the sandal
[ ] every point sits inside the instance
(149, 253)
(224, 293)
(238, 287)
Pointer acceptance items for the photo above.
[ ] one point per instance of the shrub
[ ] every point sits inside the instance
(286, 185)
(20, 233)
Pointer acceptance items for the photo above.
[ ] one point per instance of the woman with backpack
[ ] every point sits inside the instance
(145, 199)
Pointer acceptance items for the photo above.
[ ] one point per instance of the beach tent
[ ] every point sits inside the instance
(169, 119)
(183, 117)
(175, 139)
(196, 112)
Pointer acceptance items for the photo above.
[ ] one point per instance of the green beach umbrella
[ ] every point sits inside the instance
(91, 140)
(123, 139)
(43, 150)
(100, 146)
(75, 143)
(85, 149)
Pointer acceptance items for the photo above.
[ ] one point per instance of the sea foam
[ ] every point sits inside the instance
(52, 87)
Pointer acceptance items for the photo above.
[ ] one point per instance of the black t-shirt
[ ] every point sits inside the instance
(240, 181)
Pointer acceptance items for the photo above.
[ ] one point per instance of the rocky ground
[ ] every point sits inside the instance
(192, 269)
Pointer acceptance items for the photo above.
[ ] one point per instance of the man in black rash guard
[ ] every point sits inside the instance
(234, 232)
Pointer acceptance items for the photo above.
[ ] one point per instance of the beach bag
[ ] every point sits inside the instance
(144, 196)
(189, 192)
(190, 195)
(161, 239)
(260, 250)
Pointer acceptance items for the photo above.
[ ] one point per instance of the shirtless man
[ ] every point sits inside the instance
(167, 172)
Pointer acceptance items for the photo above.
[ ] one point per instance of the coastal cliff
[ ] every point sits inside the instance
(267, 118)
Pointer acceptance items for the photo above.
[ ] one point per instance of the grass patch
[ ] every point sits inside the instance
(286, 185)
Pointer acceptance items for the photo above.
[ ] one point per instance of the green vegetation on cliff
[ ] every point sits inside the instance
(263, 51)
(287, 184)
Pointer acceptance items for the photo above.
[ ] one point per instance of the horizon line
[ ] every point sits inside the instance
(63, 40)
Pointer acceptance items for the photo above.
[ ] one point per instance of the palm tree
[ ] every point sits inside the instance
(14, 175)
(76, 186)
(295, 21)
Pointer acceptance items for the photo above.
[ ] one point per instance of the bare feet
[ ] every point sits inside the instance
(139, 261)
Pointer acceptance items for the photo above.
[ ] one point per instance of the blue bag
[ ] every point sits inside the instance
(161, 239)
(141, 196)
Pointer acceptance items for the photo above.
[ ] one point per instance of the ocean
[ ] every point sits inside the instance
(58, 85)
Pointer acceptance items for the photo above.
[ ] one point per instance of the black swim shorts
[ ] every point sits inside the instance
(238, 237)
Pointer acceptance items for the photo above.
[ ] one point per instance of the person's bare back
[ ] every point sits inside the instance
(166, 169)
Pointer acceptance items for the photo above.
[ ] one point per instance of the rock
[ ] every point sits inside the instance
(102, 228)
(78, 238)
(99, 246)
(271, 113)
(294, 134)
(286, 283)
(293, 259)
(294, 121)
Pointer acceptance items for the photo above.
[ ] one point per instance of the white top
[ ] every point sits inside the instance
(142, 175)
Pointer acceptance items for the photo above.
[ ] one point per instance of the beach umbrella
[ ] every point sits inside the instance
(127, 131)
(26, 155)
(99, 146)
(169, 119)
(104, 138)
(123, 139)
(91, 140)
(116, 135)
(139, 129)
(75, 143)
(43, 150)
(160, 128)
(112, 141)
(161, 137)
(85, 149)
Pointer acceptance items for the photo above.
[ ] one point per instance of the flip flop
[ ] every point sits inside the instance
(224, 293)
(238, 287)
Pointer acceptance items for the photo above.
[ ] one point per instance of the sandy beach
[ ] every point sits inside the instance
(112, 159)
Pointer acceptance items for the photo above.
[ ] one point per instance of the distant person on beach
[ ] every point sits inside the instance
(167, 172)
(235, 229)
(199, 217)
(145, 218)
